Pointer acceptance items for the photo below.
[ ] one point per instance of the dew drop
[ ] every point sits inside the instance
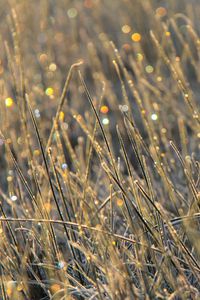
(13, 198)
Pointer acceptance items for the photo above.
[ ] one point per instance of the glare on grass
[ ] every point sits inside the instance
(143, 112)
(139, 56)
(13, 198)
(124, 108)
(9, 178)
(61, 116)
(36, 152)
(55, 287)
(9, 291)
(20, 287)
(61, 264)
(64, 166)
(37, 113)
(163, 130)
(120, 202)
(47, 206)
(168, 33)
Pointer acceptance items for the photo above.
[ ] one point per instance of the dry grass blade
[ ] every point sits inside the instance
(99, 167)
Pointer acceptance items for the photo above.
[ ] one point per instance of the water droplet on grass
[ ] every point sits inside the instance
(13, 198)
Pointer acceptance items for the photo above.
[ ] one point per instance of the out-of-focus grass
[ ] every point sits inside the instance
(99, 149)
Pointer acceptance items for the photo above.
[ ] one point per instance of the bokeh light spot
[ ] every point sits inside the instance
(154, 117)
(136, 37)
(104, 109)
(52, 67)
(9, 102)
(49, 91)
(105, 121)
(126, 28)
(161, 11)
(55, 288)
(159, 78)
(149, 69)
(72, 12)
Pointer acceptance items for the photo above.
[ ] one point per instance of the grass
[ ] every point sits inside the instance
(99, 150)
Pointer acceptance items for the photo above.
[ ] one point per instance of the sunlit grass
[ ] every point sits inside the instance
(99, 150)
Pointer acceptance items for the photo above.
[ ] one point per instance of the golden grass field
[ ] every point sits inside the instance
(99, 149)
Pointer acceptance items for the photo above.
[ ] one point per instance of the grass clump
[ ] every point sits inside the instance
(99, 150)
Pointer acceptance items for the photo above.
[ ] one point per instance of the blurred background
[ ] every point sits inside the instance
(40, 40)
